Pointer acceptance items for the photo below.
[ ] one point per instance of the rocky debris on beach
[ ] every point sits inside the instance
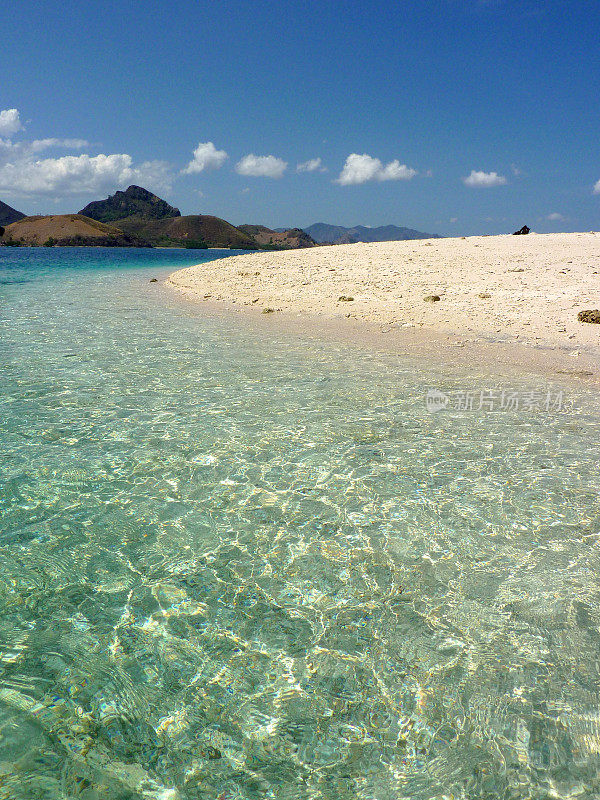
(522, 231)
(432, 298)
(345, 299)
(590, 315)
(484, 295)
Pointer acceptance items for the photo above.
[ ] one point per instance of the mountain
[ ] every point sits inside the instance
(67, 230)
(337, 234)
(133, 202)
(196, 230)
(284, 239)
(9, 215)
(143, 215)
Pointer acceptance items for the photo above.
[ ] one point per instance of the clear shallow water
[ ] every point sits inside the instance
(238, 566)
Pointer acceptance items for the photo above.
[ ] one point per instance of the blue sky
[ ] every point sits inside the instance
(451, 116)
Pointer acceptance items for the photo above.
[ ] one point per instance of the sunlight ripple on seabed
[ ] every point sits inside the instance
(245, 567)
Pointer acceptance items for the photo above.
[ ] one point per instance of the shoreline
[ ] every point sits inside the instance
(534, 287)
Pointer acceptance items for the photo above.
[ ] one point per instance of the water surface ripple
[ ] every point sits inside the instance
(238, 565)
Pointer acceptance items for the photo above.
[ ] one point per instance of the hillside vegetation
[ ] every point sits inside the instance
(196, 230)
(135, 201)
(67, 230)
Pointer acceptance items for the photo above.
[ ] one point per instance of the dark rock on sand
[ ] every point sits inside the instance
(591, 315)
(522, 232)
(432, 298)
(345, 299)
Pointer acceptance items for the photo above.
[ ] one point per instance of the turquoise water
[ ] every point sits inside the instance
(245, 565)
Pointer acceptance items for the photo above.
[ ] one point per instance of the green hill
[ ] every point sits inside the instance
(196, 230)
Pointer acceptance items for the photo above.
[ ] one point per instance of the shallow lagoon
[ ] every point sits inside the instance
(239, 565)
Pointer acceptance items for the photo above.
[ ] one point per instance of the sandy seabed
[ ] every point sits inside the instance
(502, 299)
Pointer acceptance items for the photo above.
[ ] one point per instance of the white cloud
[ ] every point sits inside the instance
(10, 122)
(24, 173)
(261, 166)
(395, 171)
(362, 168)
(312, 165)
(206, 156)
(83, 174)
(555, 217)
(11, 151)
(484, 179)
(39, 145)
(597, 187)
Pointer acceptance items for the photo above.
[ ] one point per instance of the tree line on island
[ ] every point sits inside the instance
(137, 218)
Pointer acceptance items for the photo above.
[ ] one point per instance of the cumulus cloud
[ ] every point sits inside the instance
(206, 156)
(83, 174)
(362, 168)
(10, 122)
(478, 179)
(24, 172)
(261, 166)
(555, 217)
(312, 165)
(597, 187)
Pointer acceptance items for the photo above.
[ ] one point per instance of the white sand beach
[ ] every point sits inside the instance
(512, 297)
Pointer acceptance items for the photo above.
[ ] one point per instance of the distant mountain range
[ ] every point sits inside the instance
(137, 218)
(337, 234)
